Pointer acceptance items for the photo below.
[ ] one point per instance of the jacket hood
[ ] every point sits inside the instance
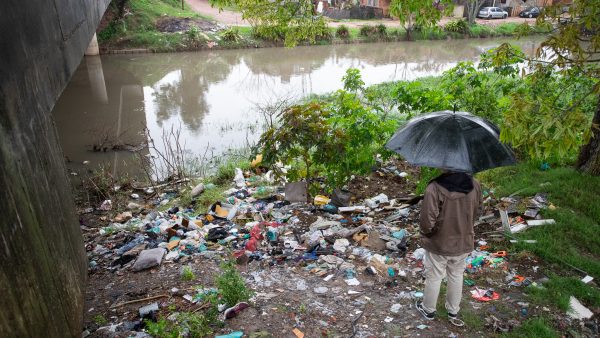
(455, 182)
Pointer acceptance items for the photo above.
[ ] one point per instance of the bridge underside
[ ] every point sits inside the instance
(43, 269)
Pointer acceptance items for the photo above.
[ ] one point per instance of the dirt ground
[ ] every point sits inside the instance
(295, 293)
(225, 16)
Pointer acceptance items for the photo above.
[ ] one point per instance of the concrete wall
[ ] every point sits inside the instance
(43, 264)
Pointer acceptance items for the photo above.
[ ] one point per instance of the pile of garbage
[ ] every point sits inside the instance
(279, 226)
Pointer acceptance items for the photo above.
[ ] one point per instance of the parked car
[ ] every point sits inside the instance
(530, 12)
(492, 12)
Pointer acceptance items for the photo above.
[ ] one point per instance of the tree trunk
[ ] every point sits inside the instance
(589, 156)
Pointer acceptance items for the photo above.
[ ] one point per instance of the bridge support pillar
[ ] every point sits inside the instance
(93, 48)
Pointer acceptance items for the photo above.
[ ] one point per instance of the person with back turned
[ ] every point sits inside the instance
(449, 209)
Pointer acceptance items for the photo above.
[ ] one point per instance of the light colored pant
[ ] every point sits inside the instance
(436, 267)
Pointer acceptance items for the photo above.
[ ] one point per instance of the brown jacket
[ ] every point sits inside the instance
(447, 219)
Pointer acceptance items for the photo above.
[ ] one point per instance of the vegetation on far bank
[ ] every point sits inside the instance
(135, 26)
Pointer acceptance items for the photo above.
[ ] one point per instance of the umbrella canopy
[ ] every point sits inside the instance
(456, 141)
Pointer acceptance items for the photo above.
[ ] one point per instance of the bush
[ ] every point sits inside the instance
(367, 31)
(381, 30)
(232, 34)
(457, 26)
(335, 138)
(342, 32)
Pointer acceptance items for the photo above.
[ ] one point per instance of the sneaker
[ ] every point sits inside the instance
(426, 315)
(454, 320)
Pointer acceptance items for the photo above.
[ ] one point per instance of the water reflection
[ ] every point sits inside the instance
(100, 118)
(212, 95)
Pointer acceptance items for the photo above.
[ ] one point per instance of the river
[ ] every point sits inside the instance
(212, 97)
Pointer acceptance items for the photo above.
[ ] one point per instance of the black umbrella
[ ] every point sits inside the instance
(456, 141)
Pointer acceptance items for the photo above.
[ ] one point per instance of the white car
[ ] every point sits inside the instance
(492, 13)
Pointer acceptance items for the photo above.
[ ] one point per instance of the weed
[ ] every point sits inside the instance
(226, 171)
(194, 36)
(458, 26)
(232, 34)
(187, 274)
(100, 320)
(162, 329)
(367, 30)
(381, 30)
(342, 32)
(208, 197)
(231, 285)
(187, 323)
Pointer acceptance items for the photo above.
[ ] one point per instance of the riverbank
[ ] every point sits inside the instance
(359, 285)
(163, 26)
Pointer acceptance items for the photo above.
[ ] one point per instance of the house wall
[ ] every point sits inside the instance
(383, 4)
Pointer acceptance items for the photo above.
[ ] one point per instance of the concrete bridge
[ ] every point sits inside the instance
(43, 263)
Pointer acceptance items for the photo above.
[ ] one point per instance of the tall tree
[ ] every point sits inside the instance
(418, 13)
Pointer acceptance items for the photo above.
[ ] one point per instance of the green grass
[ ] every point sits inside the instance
(139, 28)
(210, 196)
(573, 240)
(480, 31)
(506, 29)
(534, 327)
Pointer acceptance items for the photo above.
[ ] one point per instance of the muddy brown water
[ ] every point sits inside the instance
(212, 96)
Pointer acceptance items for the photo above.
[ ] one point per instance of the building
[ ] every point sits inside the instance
(383, 4)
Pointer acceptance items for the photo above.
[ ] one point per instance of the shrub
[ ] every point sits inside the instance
(342, 32)
(381, 30)
(457, 26)
(231, 34)
(335, 138)
(367, 31)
